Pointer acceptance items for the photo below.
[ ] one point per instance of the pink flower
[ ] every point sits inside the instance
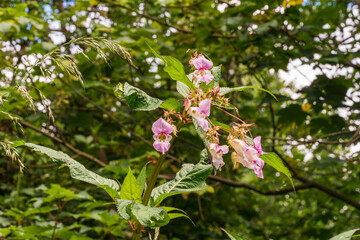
(202, 73)
(162, 137)
(203, 76)
(200, 113)
(217, 152)
(248, 155)
(202, 63)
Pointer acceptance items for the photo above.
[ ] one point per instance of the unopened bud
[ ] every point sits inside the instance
(187, 104)
(217, 89)
(191, 61)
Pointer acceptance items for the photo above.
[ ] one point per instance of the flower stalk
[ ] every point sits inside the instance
(153, 178)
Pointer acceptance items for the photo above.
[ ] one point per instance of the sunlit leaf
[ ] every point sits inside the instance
(274, 161)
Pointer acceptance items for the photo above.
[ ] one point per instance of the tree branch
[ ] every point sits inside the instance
(236, 184)
(68, 145)
(320, 186)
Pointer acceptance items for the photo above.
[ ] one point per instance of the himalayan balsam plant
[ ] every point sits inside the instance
(137, 199)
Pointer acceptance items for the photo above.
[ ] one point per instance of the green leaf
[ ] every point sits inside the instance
(190, 178)
(182, 89)
(171, 209)
(178, 215)
(176, 71)
(124, 208)
(130, 189)
(18, 143)
(78, 171)
(226, 90)
(171, 104)
(147, 216)
(274, 161)
(174, 68)
(155, 53)
(137, 99)
(204, 156)
(206, 87)
(345, 235)
(216, 72)
(150, 216)
(232, 236)
(141, 179)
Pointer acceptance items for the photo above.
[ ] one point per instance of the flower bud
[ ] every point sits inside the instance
(187, 104)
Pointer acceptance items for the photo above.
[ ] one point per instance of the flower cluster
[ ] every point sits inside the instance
(197, 106)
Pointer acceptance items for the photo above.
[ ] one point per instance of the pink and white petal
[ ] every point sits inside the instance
(212, 148)
(194, 112)
(259, 162)
(161, 146)
(204, 107)
(238, 145)
(218, 163)
(237, 158)
(202, 63)
(168, 138)
(224, 149)
(257, 144)
(258, 171)
(207, 78)
(251, 154)
(161, 126)
(203, 123)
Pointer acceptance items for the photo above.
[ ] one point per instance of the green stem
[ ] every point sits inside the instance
(18, 186)
(151, 184)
